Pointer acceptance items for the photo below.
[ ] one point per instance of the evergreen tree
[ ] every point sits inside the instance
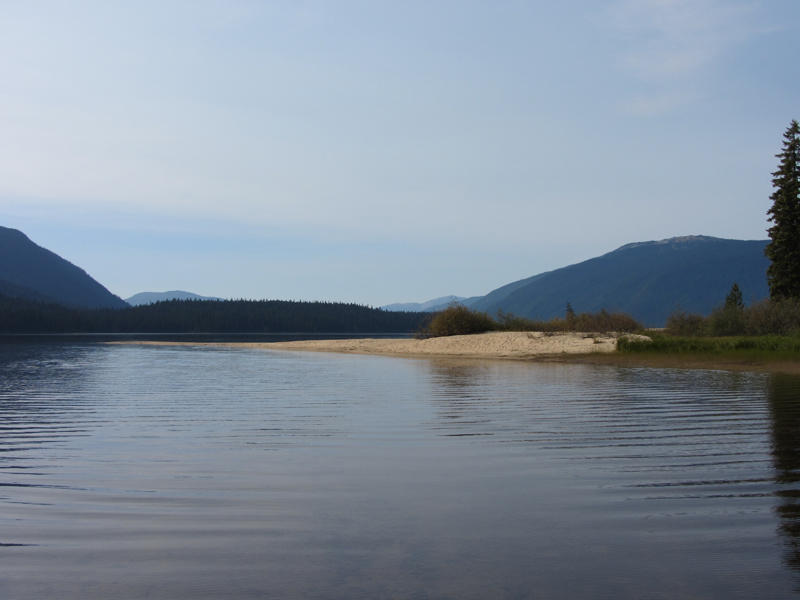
(734, 298)
(570, 312)
(784, 248)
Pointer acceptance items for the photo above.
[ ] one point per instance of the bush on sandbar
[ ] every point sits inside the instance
(458, 319)
(601, 321)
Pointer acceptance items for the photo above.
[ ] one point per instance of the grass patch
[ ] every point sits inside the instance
(765, 347)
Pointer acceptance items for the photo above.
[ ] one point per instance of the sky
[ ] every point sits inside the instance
(384, 151)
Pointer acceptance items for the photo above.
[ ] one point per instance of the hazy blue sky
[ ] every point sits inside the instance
(383, 151)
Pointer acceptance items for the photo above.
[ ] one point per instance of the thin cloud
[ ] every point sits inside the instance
(669, 43)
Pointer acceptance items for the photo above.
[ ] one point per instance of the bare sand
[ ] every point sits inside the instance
(516, 345)
(508, 345)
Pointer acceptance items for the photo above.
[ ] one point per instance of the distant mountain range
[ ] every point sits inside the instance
(648, 280)
(31, 272)
(152, 297)
(429, 306)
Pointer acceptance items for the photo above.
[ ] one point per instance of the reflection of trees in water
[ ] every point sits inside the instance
(519, 397)
(488, 397)
(459, 381)
(490, 400)
(785, 413)
(524, 401)
(460, 394)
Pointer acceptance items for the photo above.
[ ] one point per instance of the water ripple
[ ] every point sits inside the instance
(188, 472)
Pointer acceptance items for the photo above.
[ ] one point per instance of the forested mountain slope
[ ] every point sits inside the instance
(35, 273)
(647, 279)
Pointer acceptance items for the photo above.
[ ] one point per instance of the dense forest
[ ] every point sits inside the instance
(194, 316)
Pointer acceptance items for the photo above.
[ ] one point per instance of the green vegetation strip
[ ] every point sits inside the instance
(770, 347)
(458, 319)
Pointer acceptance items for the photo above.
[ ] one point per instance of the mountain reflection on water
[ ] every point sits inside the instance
(190, 472)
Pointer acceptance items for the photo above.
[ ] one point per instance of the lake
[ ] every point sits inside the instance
(207, 472)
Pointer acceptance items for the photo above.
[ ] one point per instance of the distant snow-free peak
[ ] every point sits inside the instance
(152, 297)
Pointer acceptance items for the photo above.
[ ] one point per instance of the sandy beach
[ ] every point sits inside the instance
(508, 345)
(573, 347)
(517, 345)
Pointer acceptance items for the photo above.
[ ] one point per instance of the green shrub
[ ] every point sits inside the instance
(682, 323)
(511, 322)
(602, 321)
(770, 317)
(727, 320)
(457, 319)
(767, 317)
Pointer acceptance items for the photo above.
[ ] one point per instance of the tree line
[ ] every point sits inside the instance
(205, 316)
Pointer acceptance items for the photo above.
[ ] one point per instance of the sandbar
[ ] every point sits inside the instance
(572, 347)
(507, 345)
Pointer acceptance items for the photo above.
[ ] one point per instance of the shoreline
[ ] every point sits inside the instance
(686, 361)
(491, 345)
(571, 347)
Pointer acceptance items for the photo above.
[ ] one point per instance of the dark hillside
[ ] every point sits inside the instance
(27, 270)
(503, 292)
(24, 293)
(648, 280)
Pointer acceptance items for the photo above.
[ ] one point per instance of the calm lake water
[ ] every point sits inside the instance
(199, 472)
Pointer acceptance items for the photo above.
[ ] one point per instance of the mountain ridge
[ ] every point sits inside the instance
(151, 297)
(29, 271)
(428, 305)
(648, 280)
